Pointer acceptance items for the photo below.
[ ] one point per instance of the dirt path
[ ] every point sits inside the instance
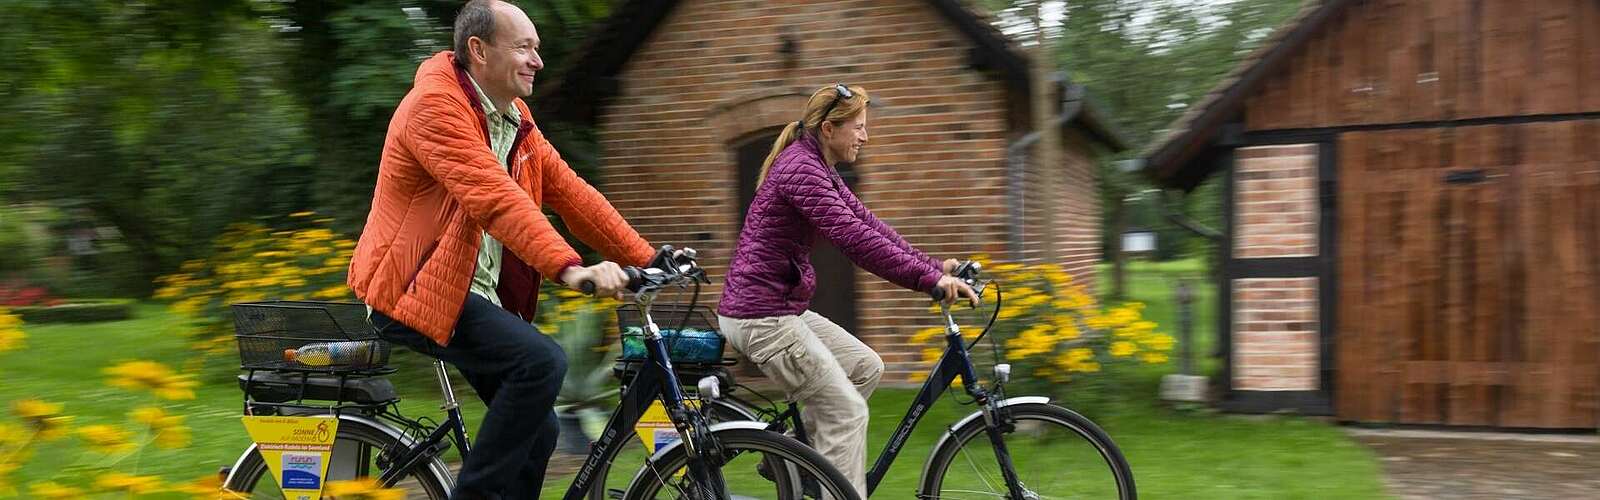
(1428, 464)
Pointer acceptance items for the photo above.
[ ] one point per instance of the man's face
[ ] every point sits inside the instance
(510, 61)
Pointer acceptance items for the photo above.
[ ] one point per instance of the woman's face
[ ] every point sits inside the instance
(843, 141)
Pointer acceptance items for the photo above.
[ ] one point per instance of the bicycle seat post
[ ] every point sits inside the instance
(444, 386)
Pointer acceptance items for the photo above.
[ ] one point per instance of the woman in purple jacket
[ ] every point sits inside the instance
(769, 285)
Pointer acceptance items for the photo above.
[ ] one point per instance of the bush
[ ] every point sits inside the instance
(250, 263)
(77, 311)
(17, 293)
(1054, 333)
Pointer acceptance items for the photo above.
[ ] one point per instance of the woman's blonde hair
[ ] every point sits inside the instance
(812, 119)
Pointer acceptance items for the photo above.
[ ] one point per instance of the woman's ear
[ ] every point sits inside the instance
(825, 130)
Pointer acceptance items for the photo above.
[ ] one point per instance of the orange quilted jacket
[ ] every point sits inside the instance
(439, 186)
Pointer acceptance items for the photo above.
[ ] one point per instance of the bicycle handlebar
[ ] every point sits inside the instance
(669, 267)
(968, 273)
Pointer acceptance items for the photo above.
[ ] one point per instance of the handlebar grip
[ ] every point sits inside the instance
(635, 279)
(937, 294)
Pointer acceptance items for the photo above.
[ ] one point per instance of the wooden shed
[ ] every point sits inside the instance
(688, 96)
(1413, 212)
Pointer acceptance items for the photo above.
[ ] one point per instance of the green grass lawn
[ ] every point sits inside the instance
(1174, 454)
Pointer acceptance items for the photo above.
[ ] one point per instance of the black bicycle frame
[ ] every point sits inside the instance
(955, 362)
(655, 380)
(454, 426)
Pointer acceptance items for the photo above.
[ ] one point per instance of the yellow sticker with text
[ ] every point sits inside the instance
(296, 449)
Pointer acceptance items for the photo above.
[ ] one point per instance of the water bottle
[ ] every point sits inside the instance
(356, 354)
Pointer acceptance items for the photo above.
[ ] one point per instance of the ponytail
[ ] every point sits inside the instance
(785, 138)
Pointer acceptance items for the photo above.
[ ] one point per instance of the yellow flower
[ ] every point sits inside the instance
(52, 491)
(148, 415)
(169, 429)
(927, 334)
(45, 417)
(5, 480)
(1123, 348)
(1158, 342)
(207, 487)
(12, 435)
(29, 409)
(11, 336)
(154, 377)
(1078, 359)
(127, 483)
(365, 488)
(332, 292)
(306, 213)
(106, 439)
(173, 438)
(1154, 358)
(932, 354)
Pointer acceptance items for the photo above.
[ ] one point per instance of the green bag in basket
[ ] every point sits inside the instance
(691, 345)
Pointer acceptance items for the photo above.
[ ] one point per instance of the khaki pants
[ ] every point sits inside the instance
(826, 370)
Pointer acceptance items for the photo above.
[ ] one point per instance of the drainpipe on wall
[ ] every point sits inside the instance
(1017, 166)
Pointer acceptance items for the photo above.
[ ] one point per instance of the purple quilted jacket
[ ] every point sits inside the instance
(771, 273)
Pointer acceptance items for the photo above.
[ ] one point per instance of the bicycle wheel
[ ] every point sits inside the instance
(1055, 452)
(800, 471)
(611, 481)
(430, 479)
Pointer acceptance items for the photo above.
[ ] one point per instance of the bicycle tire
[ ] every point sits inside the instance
(250, 472)
(937, 469)
(720, 411)
(737, 441)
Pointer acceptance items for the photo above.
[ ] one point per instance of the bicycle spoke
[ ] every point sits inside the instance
(982, 474)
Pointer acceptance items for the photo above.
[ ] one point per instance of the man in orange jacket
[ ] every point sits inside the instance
(456, 243)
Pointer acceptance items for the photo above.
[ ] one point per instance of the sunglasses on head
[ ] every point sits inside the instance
(840, 92)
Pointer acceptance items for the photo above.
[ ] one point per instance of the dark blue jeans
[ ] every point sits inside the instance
(517, 371)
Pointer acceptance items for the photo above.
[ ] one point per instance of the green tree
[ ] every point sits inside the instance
(164, 120)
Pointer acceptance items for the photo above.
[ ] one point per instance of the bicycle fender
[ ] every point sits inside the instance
(949, 432)
(662, 453)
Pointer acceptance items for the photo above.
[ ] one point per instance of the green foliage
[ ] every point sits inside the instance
(169, 121)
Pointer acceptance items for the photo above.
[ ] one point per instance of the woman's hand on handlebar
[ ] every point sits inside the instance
(605, 279)
(952, 287)
(949, 266)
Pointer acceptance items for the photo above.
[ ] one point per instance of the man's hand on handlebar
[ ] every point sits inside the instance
(607, 278)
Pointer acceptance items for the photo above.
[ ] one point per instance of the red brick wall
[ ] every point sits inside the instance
(1275, 320)
(711, 75)
(1276, 207)
(1275, 334)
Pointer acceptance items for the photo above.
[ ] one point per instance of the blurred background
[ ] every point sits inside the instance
(1361, 234)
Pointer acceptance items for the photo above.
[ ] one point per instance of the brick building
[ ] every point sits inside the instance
(688, 96)
(1413, 197)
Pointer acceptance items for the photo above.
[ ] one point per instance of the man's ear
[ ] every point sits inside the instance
(477, 50)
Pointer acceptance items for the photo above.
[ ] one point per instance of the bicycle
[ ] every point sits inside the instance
(406, 453)
(1083, 461)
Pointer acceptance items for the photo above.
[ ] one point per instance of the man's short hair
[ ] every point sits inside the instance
(476, 19)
